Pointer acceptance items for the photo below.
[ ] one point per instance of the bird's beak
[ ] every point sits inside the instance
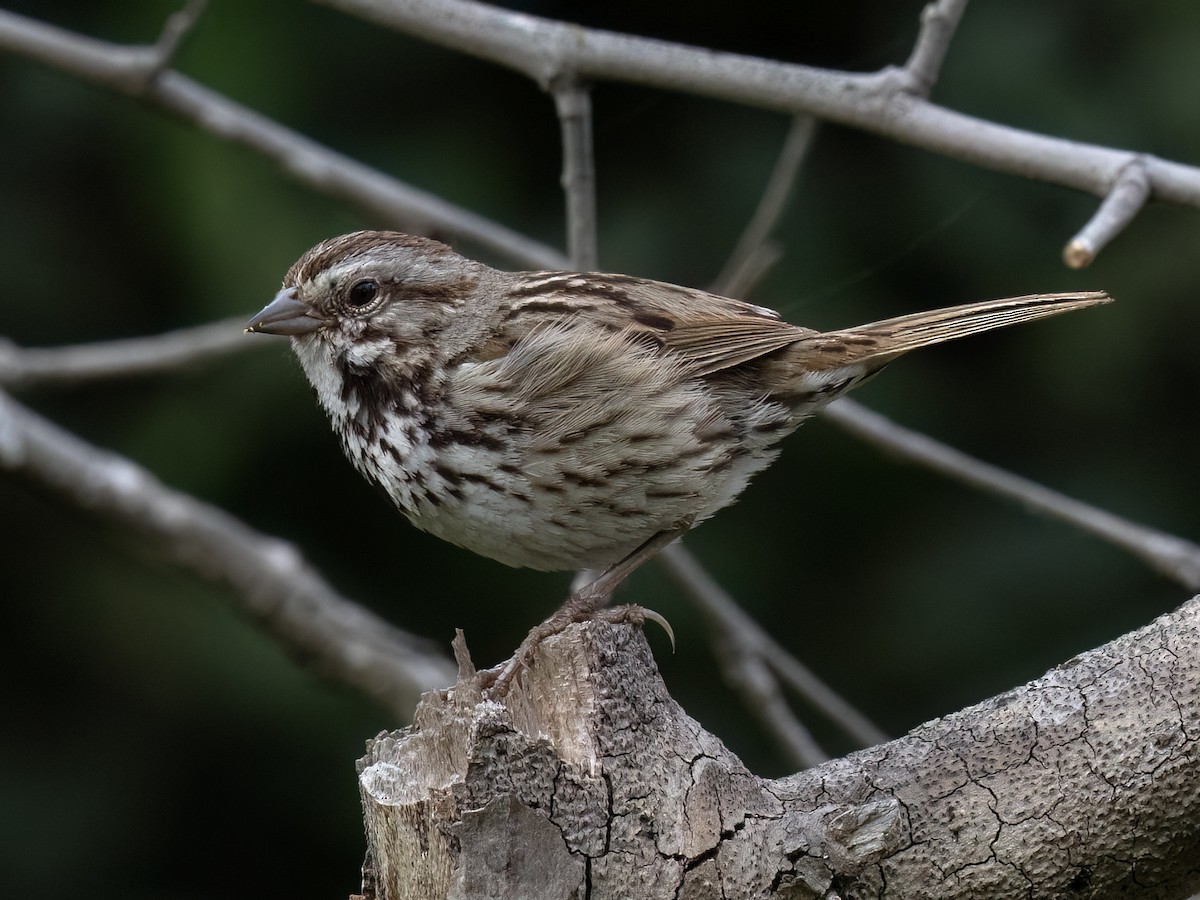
(285, 315)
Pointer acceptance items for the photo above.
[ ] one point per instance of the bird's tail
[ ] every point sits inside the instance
(880, 342)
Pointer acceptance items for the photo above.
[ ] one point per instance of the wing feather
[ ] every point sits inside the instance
(711, 346)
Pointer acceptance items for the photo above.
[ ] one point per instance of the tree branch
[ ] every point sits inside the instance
(175, 31)
(589, 778)
(270, 581)
(939, 21)
(138, 72)
(1125, 200)
(22, 367)
(1172, 556)
(573, 102)
(889, 103)
(885, 103)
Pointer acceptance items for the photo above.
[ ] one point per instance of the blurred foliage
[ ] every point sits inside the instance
(158, 746)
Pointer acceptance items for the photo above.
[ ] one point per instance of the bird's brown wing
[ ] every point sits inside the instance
(705, 332)
(711, 345)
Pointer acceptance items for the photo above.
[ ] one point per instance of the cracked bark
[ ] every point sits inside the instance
(590, 781)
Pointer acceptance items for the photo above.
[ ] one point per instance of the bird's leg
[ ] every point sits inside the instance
(586, 603)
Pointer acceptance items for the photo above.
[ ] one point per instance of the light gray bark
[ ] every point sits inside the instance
(590, 781)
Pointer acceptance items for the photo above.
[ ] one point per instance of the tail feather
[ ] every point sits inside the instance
(882, 341)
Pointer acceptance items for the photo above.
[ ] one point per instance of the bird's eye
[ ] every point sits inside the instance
(362, 292)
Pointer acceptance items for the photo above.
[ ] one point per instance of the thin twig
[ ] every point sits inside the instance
(135, 71)
(731, 620)
(269, 579)
(939, 21)
(1128, 195)
(22, 367)
(176, 29)
(1172, 556)
(574, 105)
(751, 255)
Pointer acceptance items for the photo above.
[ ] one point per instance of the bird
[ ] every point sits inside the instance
(562, 420)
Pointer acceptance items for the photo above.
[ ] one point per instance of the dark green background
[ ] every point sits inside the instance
(156, 745)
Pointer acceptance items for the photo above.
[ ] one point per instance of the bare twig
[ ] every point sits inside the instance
(727, 616)
(177, 27)
(879, 102)
(129, 70)
(752, 254)
(574, 104)
(137, 71)
(40, 366)
(939, 21)
(270, 581)
(1172, 556)
(1126, 199)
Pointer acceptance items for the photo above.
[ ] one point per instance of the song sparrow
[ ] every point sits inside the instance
(563, 420)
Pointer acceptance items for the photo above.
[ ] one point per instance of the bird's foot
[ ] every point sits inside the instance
(498, 681)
